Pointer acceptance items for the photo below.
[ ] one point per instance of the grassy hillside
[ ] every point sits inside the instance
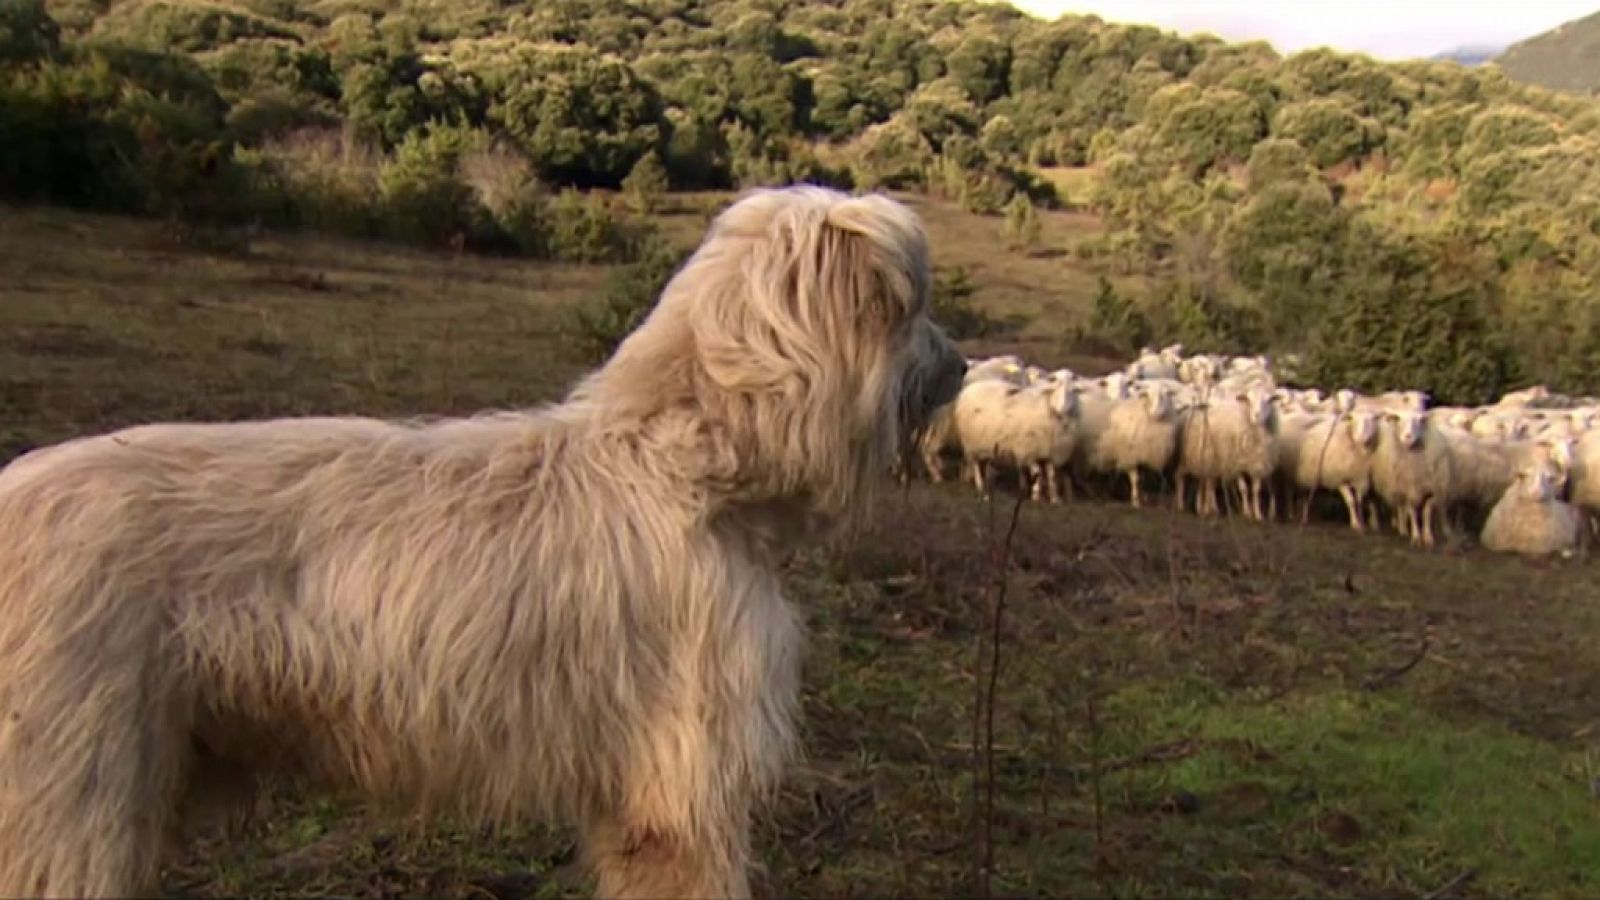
(1266, 200)
(109, 321)
(1566, 58)
(1184, 707)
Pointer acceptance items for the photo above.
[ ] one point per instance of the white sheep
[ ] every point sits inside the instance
(1412, 471)
(1096, 400)
(1030, 427)
(1530, 520)
(1584, 476)
(1141, 432)
(938, 435)
(1154, 364)
(1337, 454)
(1228, 440)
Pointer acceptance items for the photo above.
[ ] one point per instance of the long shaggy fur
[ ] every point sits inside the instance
(569, 613)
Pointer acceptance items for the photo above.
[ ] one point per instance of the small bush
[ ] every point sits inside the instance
(953, 309)
(646, 184)
(630, 295)
(1022, 224)
(425, 200)
(1117, 320)
(328, 178)
(504, 184)
(584, 229)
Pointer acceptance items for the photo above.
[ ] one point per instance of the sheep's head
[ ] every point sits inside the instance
(1258, 406)
(1562, 453)
(1363, 426)
(1344, 400)
(1063, 399)
(1117, 385)
(1158, 402)
(1409, 427)
(1539, 482)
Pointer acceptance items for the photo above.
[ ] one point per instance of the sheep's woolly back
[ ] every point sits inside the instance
(1135, 436)
(1331, 454)
(1409, 476)
(1219, 440)
(1532, 525)
(995, 420)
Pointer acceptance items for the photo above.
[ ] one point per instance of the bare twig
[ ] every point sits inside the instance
(1096, 780)
(1384, 679)
(1002, 581)
(984, 702)
(1451, 886)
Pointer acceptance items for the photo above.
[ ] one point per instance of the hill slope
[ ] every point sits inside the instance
(1566, 58)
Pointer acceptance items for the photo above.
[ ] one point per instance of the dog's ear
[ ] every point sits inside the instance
(875, 254)
(823, 278)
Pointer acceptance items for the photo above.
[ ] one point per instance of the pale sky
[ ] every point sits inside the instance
(1386, 29)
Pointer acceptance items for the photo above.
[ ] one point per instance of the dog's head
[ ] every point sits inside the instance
(798, 334)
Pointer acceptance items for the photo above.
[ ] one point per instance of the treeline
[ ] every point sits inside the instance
(1418, 223)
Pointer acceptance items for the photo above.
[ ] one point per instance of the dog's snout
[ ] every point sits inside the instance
(952, 369)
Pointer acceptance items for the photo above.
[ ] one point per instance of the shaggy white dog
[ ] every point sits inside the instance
(570, 613)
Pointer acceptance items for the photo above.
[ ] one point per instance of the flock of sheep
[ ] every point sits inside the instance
(1527, 467)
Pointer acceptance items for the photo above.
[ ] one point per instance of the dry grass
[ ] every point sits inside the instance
(1183, 707)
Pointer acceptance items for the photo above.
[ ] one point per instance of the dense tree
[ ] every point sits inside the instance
(581, 116)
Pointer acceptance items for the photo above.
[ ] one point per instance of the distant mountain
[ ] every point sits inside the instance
(1471, 54)
(1566, 58)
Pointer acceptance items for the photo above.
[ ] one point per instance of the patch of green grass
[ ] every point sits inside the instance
(1367, 780)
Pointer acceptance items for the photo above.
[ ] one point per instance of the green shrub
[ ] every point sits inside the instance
(504, 185)
(1022, 224)
(1416, 316)
(1117, 320)
(27, 32)
(425, 200)
(630, 295)
(646, 184)
(62, 142)
(584, 229)
(952, 308)
(329, 180)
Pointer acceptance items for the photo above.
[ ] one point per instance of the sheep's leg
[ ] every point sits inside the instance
(1180, 492)
(934, 465)
(1133, 486)
(1353, 504)
(1030, 482)
(1245, 507)
(1052, 482)
(980, 477)
(1430, 509)
(1414, 523)
(1256, 487)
